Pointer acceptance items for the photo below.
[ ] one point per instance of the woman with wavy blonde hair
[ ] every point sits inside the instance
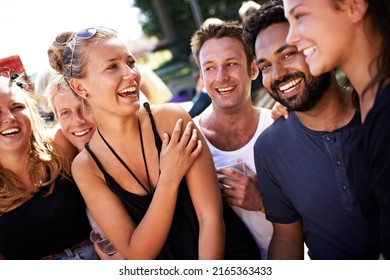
(37, 195)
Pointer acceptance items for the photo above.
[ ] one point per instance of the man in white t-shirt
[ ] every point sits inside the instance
(232, 126)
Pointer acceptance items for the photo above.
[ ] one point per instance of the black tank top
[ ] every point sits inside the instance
(182, 240)
(45, 224)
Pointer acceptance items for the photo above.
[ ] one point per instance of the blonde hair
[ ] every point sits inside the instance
(56, 85)
(43, 166)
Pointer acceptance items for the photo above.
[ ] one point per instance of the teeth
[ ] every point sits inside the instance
(81, 133)
(290, 85)
(131, 89)
(309, 51)
(224, 90)
(9, 131)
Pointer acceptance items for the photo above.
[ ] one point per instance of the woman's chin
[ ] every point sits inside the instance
(316, 69)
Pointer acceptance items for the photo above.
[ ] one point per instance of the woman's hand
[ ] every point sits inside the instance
(179, 152)
(278, 111)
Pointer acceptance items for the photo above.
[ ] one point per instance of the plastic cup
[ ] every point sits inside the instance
(103, 243)
(237, 164)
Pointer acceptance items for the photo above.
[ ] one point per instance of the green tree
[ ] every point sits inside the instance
(177, 24)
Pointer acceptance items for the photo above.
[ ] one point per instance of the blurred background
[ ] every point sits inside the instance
(156, 31)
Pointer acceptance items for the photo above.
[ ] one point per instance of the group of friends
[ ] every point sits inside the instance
(316, 177)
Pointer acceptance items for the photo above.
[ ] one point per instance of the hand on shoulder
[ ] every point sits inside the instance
(278, 111)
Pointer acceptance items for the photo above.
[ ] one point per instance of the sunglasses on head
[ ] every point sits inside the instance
(84, 34)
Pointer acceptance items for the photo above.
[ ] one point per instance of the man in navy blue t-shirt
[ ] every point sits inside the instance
(300, 161)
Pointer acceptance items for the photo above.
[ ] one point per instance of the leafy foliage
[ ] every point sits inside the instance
(181, 18)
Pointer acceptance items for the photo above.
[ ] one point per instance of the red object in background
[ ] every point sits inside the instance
(13, 64)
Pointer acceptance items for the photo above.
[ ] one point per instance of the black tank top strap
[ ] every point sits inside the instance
(157, 139)
(95, 158)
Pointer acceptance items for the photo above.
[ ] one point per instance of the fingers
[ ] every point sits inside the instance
(198, 150)
(180, 150)
(232, 197)
(231, 172)
(188, 141)
(193, 141)
(177, 131)
(246, 198)
(278, 111)
(188, 134)
(165, 141)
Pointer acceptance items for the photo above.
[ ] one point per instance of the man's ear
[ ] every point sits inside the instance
(78, 88)
(254, 70)
(357, 10)
(201, 76)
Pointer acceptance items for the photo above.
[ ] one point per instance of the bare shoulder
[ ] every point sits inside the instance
(167, 114)
(82, 158)
(167, 109)
(82, 163)
(87, 175)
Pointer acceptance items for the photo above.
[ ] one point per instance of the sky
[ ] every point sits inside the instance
(28, 27)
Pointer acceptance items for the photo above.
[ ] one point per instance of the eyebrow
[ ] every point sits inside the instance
(278, 51)
(293, 9)
(117, 58)
(229, 59)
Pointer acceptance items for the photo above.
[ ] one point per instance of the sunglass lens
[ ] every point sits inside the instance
(86, 33)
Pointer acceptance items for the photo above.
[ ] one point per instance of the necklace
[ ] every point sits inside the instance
(149, 189)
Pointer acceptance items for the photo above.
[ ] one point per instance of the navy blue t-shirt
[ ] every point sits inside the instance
(302, 175)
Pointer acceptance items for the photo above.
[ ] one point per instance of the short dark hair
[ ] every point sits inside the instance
(270, 13)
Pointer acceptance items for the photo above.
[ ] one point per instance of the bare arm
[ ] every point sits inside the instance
(204, 191)
(286, 242)
(203, 186)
